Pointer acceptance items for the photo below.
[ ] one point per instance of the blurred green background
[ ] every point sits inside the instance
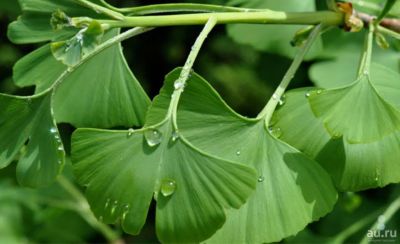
(244, 73)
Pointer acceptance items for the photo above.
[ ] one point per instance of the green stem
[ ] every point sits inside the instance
(354, 228)
(268, 110)
(388, 32)
(388, 6)
(101, 9)
(387, 215)
(365, 61)
(84, 209)
(261, 17)
(187, 68)
(178, 7)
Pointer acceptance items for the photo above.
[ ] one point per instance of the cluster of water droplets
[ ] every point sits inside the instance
(153, 137)
(60, 147)
(281, 99)
(318, 92)
(112, 207)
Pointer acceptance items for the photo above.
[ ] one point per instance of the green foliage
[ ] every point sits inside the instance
(215, 175)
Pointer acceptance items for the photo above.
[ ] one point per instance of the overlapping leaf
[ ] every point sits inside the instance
(292, 191)
(123, 169)
(357, 111)
(30, 119)
(353, 167)
(274, 38)
(102, 92)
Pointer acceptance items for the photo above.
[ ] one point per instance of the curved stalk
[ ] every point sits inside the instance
(187, 68)
(82, 206)
(365, 61)
(269, 109)
(386, 216)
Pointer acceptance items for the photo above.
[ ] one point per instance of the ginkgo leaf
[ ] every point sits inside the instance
(34, 24)
(273, 38)
(70, 52)
(292, 189)
(357, 112)
(123, 169)
(112, 97)
(354, 167)
(30, 119)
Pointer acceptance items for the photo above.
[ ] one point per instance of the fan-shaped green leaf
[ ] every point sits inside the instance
(292, 191)
(358, 111)
(34, 24)
(353, 167)
(112, 97)
(23, 119)
(273, 38)
(123, 169)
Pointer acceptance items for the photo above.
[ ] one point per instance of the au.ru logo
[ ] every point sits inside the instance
(380, 233)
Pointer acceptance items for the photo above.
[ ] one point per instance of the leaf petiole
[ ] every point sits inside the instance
(187, 69)
(268, 110)
(366, 56)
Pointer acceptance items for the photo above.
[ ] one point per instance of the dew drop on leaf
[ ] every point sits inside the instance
(282, 101)
(276, 132)
(53, 130)
(238, 152)
(175, 136)
(60, 148)
(153, 137)
(107, 203)
(261, 179)
(114, 207)
(168, 187)
(319, 91)
(308, 94)
(179, 84)
(130, 132)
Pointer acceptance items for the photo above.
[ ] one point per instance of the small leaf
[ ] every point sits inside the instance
(77, 100)
(84, 42)
(289, 183)
(59, 20)
(192, 188)
(357, 111)
(30, 119)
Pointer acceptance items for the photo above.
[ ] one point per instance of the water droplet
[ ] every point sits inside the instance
(59, 162)
(130, 132)
(308, 94)
(261, 179)
(114, 207)
(238, 152)
(381, 222)
(275, 96)
(153, 137)
(276, 132)
(366, 72)
(107, 203)
(179, 84)
(53, 130)
(175, 136)
(282, 101)
(168, 187)
(319, 91)
(336, 135)
(57, 137)
(125, 211)
(70, 69)
(60, 148)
